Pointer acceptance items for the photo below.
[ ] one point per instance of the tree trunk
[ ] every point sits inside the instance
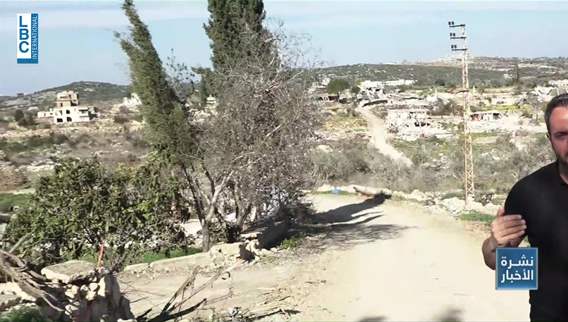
(206, 236)
(232, 233)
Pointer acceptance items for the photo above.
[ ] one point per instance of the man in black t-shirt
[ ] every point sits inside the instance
(537, 208)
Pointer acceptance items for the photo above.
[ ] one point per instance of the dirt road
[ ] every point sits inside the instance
(402, 263)
(378, 132)
(364, 260)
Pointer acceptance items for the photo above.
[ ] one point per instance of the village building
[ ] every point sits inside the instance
(400, 82)
(397, 118)
(559, 83)
(486, 116)
(411, 124)
(325, 97)
(67, 110)
(132, 102)
(128, 104)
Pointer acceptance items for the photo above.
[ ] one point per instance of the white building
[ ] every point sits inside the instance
(400, 82)
(131, 102)
(68, 110)
(368, 85)
(559, 83)
(409, 117)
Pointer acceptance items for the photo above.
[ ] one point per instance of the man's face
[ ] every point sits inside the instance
(559, 133)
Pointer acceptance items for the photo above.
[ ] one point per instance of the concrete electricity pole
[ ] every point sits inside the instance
(468, 177)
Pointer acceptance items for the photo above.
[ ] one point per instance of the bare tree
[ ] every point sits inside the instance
(249, 155)
(257, 140)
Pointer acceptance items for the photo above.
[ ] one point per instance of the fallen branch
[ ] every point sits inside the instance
(179, 298)
(19, 243)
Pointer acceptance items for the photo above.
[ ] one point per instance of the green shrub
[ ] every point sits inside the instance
(152, 256)
(347, 159)
(83, 204)
(25, 314)
(33, 142)
(292, 242)
(473, 215)
(148, 256)
(9, 200)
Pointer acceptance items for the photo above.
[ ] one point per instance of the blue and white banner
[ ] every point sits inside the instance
(516, 268)
(28, 38)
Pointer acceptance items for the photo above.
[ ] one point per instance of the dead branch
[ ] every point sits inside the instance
(20, 242)
(30, 282)
(179, 298)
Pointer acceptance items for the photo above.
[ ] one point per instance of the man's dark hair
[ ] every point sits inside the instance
(558, 101)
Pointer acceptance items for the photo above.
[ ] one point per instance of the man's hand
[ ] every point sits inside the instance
(508, 230)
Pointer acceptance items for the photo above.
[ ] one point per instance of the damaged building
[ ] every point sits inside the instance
(400, 118)
(486, 116)
(68, 110)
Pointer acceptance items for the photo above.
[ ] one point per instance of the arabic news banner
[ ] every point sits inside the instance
(516, 268)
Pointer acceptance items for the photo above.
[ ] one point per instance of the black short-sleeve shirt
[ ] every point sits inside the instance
(542, 200)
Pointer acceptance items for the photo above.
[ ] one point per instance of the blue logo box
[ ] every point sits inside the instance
(516, 268)
(28, 38)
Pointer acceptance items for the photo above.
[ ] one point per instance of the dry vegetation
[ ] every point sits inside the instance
(438, 163)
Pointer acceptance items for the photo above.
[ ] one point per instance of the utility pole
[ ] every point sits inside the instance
(468, 178)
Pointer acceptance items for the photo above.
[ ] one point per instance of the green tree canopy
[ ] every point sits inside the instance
(162, 109)
(337, 86)
(83, 205)
(229, 22)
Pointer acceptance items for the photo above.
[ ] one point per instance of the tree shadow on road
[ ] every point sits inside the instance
(349, 212)
(373, 319)
(451, 314)
(347, 226)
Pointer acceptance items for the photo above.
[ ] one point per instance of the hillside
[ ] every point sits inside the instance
(423, 74)
(531, 70)
(487, 71)
(89, 93)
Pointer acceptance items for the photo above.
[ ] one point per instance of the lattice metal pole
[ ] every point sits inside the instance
(468, 178)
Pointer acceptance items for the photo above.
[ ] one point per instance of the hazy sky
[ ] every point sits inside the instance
(77, 43)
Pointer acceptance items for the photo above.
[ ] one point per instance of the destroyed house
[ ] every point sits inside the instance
(486, 116)
(68, 110)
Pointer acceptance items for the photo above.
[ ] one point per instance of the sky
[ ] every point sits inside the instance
(76, 37)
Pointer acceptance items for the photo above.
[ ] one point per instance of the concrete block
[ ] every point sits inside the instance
(69, 272)
(137, 268)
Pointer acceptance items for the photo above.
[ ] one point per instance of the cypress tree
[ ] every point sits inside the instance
(165, 116)
(229, 22)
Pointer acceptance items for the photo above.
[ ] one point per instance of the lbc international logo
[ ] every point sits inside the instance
(28, 38)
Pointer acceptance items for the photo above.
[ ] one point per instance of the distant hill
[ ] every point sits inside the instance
(531, 70)
(93, 92)
(90, 93)
(423, 74)
(487, 71)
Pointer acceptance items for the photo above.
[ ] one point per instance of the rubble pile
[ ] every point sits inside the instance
(83, 294)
